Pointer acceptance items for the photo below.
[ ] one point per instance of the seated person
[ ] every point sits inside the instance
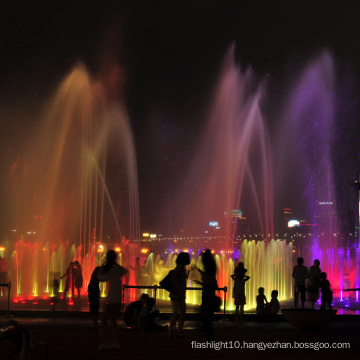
(146, 318)
(273, 307)
(133, 310)
(261, 301)
(326, 293)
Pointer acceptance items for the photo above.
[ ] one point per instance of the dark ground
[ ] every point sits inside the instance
(73, 338)
(69, 335)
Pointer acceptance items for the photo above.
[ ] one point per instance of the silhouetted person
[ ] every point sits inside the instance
(69, 283)
(177, 294)
(273, 307)
(260, 301)
(20, 337)
(313, 283)
(132, 311)
(111, 272)
(240, 279)
(300, 273)
(209, 285)
(326, 293)
(94, 296)
(147, 318)
(78, 277)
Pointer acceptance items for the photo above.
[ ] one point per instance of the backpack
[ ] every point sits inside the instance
(166, 282)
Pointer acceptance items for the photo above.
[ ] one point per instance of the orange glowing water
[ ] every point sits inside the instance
(59, 185)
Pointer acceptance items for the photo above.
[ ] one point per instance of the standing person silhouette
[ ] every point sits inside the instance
(69, 283)
(300, 273)
(313, 281)
(94, 296)
(240, 279)
(77, 277)
(177, 294)
(111, 272)
(209, 284)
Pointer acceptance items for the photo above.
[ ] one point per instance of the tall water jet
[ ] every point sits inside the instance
(232, 174)
(61, 193)
(232, 167)
(317, 140)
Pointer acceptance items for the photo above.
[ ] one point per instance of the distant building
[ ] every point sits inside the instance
(287, 216)
(326, 217)
(238, 225)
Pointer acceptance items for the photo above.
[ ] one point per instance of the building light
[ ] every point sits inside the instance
(293, 223)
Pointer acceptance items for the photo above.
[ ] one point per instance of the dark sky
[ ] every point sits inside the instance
(171, 53)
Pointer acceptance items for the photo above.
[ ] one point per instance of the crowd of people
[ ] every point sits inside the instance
(311, 281)
(140, 314)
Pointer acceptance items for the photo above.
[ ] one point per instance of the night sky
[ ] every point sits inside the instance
(171, 54)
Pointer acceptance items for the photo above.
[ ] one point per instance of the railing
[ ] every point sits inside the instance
(155, 288)
(8, 285)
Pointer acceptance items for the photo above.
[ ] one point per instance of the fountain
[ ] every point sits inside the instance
(61, 200)
(317, 141)
(231, 169)
(240, 161)
(62, 193)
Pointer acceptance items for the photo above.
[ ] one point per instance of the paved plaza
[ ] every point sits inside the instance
(74, 338)
(67, 334)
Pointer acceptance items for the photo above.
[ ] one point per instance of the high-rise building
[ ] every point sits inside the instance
(287, 216)
(239, 224)
(326, 217)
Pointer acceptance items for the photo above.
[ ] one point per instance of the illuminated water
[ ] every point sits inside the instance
(61, 196)
(62, 193)
(268, 265)
(232, 164)
(232, 170)
(315, 130)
